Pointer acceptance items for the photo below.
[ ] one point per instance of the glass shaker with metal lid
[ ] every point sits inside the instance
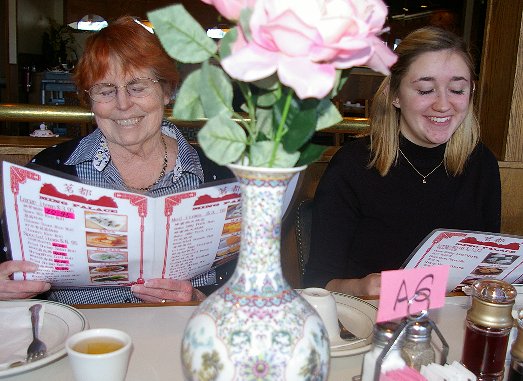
(488, 324)
(417, 349)
(383, 333)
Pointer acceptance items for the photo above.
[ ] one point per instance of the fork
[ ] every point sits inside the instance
(37, 348)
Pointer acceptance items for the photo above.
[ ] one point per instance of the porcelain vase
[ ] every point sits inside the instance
(256, 327)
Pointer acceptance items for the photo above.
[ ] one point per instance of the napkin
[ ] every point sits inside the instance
(452, 372)
(16, 333)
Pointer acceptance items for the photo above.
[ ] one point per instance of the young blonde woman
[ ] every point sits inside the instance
(422, 167)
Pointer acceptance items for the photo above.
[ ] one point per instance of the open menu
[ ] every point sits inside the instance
(82, 235)
(471, 255)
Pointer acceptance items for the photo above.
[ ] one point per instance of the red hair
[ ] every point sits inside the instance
(126, 43)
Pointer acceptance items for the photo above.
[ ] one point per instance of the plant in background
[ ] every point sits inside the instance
(57, 44)
(287, 57)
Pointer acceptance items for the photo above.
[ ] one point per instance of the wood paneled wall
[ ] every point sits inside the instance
(501, 83)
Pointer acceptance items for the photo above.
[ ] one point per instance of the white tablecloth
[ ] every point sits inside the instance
(157, 333)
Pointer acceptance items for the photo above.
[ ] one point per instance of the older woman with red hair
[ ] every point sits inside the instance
(127, 79)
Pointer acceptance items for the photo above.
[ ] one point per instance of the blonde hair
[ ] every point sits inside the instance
(384, 117)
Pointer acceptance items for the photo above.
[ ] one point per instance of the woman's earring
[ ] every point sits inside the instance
(396, 103)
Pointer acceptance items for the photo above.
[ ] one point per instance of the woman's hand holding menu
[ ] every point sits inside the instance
(19, 289)
(166, 290)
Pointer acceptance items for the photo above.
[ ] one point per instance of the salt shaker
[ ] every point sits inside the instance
(417, 349)
(515, 372)
(488, 324)
(383, 333)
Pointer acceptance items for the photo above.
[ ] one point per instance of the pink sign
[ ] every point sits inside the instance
(406, 292)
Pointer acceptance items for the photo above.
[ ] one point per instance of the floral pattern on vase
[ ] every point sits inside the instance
(256, 327)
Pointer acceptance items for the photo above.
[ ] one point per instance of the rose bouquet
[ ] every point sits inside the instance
(288, 58)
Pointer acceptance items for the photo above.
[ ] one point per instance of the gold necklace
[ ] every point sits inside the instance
(424, 177)
(162, 173)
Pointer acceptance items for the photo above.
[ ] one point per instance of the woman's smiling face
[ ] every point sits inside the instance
(434, 97)
(129, 121)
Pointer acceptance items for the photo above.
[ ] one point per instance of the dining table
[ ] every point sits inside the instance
(157, 329)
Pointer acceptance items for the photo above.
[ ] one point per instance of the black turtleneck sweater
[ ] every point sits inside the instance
(365, 223)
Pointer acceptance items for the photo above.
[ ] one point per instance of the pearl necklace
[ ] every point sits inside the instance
(162, 173)
(424, 177)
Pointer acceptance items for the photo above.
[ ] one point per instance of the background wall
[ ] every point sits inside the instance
(33, 20)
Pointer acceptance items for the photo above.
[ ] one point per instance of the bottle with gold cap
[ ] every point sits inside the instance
(515, 372)
(488, 324)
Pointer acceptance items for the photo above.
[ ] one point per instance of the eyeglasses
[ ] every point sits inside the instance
(137, 87)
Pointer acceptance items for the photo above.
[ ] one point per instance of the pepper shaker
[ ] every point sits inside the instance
(488, 324)
(417, 349)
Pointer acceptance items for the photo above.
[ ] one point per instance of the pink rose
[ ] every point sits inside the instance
(230, 9)
(305, 41)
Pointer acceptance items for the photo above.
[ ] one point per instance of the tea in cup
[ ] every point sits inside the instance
(325, 305)
(99, 354)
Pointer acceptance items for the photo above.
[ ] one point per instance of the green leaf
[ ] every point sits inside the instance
(266, 98)
(328, 114)
(310, 154)
(342, 75)
(181, 35)
(300, 124)
(270, 83)
(215, 91)
(222, 140)
(244, 21)
(227, 41)
(188, 105)
(261, 153)
(264, 122)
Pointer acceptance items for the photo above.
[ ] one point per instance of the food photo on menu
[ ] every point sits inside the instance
(105, 221)
(110, 278)
(233, 211)
(99, 256)
(501, 259)
(229, 245)
(105, 269)
(487, 270)
(105, 240)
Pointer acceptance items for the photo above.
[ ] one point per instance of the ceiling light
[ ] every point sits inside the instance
(217, 32)
(89, 22)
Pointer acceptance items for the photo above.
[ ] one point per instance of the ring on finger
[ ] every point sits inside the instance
(163, 301)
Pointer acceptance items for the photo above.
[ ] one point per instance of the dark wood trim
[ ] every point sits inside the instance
(500, 90)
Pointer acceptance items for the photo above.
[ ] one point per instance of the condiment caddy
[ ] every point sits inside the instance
(402, 345)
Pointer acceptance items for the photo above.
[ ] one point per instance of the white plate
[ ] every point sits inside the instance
(359, 317)
(60, 322)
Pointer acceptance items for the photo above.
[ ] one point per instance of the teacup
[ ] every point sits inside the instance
(100, 354)
(325, 304)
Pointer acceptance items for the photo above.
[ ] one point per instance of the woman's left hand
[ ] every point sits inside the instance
(167, 290)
